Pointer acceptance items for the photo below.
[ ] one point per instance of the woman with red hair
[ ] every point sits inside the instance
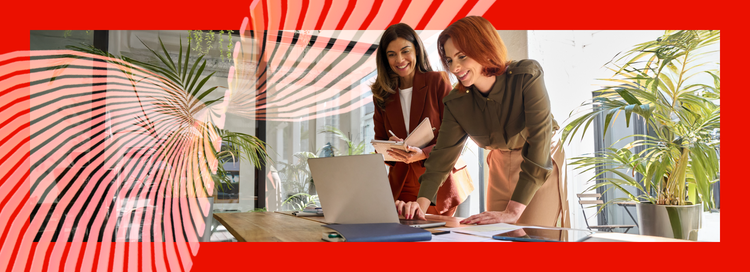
(504, 107)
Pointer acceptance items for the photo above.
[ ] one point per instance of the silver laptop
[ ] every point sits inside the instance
(355, 190)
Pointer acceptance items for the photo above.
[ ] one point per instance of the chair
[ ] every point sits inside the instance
(593, 199)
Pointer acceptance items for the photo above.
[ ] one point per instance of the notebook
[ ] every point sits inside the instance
(377, 232)
(420, 137)
(355, 190)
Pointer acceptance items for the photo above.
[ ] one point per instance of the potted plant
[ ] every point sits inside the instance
(298, 182)
(183, 120)
(677, 159)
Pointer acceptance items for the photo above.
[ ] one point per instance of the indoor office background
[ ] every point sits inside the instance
(317, 102)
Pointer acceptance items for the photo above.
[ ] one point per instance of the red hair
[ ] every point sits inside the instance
(479, 40)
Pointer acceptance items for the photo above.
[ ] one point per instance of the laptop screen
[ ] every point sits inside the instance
(354, 189)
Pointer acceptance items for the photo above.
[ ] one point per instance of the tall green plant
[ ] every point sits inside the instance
(239, 146)
(299, 201)
(352, 147)
(297, 180)
(186, 92)
(657, 82)
(296, 176)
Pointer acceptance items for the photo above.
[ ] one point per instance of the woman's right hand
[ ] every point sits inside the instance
(413, 209)
(395, 139)
(510, 215)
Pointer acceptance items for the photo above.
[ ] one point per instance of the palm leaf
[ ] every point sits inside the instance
(185, 92)
(352, 147)
(653, 82)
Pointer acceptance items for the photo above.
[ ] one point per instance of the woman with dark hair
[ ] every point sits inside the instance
(504, 107)
(405, 92)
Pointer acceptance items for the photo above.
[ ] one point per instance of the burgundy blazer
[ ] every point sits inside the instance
(427, 101)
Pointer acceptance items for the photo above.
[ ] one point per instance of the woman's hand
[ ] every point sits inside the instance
(413, 209)
(509, 215)
(491, 217)
(415, 154)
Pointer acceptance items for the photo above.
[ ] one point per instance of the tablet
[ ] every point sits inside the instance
(544, 235)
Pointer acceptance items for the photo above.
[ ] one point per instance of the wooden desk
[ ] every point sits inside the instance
(450, 222)
(270, 227)
(285, 227)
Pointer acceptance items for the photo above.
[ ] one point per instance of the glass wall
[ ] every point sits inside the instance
(59, 39)
(114, 141)
(216, 48)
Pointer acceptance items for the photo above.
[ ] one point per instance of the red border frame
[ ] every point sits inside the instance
(22, 16)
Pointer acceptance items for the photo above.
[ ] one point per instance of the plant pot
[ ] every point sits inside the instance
(672, 221)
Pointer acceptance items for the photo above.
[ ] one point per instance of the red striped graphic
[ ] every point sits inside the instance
(97, 171)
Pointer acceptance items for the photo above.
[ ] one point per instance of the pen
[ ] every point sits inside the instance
(441, 232)
(394, 135)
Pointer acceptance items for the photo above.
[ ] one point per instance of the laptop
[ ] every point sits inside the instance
(355, 190)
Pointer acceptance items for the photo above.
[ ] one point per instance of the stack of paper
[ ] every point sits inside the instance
(314, 209)
(310, 211)
(484, 230)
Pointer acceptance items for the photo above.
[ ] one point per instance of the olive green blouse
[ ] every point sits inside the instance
(515, 114)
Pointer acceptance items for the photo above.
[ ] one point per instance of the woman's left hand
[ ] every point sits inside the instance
(414, 155)
(491, 217)
(510, 215)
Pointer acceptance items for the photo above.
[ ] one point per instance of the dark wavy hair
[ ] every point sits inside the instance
(387, 80)
(479, 40)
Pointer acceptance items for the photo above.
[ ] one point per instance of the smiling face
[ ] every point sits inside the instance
(468, 71)
(402, 58)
